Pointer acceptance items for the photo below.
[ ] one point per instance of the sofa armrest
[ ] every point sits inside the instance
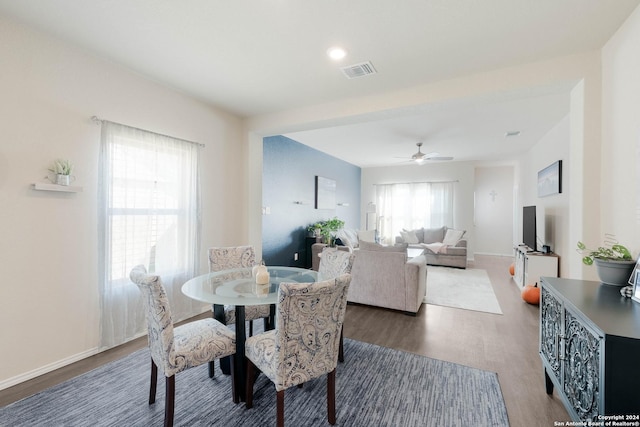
(415, 282)
(399, 239)
(316, 249)
(462, 243)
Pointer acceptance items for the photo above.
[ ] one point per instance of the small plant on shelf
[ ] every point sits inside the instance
(61, 167)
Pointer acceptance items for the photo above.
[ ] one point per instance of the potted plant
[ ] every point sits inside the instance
(614, 264)
(327, 229)
(316, 228)
(62, 169)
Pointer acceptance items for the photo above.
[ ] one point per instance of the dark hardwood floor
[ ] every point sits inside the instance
(506, 344)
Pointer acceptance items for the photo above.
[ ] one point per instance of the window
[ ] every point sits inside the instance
(149, 214)
(413, 205)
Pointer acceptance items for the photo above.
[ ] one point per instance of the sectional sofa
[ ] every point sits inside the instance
(442, 246)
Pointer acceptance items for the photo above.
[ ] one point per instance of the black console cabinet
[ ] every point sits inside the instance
(308, 256)
(590, 347)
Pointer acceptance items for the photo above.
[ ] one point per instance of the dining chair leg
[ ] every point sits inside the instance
(169, 401)
(154, 382)
(280, 408)
(341, 347)
(249, 387)
(218, 314)
(212, 369)
(233, 381)
(331, 397)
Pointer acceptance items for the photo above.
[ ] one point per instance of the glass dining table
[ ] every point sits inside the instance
(238, 287)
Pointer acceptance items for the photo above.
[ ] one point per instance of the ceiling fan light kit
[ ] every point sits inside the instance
(420, 157)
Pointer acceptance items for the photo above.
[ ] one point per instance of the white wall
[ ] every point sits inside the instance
(49, 311)
(494, 212)
(454, 171)
(554, 212)
(620, 183)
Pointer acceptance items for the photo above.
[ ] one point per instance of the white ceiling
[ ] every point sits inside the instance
(253, 57)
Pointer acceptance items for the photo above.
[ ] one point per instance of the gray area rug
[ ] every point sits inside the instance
(375, 386)
(469, 289)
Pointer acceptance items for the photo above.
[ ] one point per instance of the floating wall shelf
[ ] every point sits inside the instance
(55, 187)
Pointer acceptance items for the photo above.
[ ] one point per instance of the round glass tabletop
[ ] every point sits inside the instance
(238, 286)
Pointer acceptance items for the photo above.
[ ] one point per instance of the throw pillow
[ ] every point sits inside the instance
(418, 232)
(452, 236)
(433, 235)
(409, 237)
(367, 235)
(368, 246)
(348, 237)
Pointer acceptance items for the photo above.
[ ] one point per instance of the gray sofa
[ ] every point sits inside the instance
(382, 276)
(442, 246)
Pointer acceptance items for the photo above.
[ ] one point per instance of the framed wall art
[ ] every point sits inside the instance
(325, 193)
(550, 180)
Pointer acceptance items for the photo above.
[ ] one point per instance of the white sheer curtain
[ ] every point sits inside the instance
(149, 213)
(413, 205)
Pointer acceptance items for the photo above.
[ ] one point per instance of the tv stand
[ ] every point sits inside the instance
(530, 266)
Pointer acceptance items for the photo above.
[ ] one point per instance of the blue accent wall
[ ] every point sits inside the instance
(288, 176)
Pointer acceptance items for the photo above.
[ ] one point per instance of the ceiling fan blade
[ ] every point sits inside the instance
(440, 158)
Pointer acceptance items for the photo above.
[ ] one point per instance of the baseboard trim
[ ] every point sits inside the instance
(494, 254)
(10, 382)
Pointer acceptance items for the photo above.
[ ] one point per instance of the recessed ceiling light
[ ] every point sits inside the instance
(512, 133)
(336, 53)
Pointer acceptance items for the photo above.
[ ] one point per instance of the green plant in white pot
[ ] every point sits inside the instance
(62, 169)
(327, 229)
(614, 264)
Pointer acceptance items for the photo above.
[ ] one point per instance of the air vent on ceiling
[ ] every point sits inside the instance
(359, 70)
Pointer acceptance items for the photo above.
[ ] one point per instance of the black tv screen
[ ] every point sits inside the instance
(529, 227)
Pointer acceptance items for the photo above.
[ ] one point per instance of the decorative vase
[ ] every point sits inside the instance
(614, 273)
(62, 179)
(262, 275)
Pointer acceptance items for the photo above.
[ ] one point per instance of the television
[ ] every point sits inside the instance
(529, 227)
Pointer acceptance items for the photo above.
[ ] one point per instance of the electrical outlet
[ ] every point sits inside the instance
(295, 256)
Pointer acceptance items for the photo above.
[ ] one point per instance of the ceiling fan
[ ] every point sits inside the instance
(420, 157)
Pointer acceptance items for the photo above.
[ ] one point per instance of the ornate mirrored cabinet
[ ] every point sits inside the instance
(589, 345)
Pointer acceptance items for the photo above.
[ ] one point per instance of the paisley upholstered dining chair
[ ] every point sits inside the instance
(308, 323)
(175, 349)
(225, 258)
(335, 263)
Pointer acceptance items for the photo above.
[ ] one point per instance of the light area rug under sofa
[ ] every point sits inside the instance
(469, 289)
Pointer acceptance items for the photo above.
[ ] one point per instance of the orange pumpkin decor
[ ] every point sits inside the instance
(531, 294)
(512, 269)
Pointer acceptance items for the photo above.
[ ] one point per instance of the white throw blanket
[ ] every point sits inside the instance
(435, 247)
